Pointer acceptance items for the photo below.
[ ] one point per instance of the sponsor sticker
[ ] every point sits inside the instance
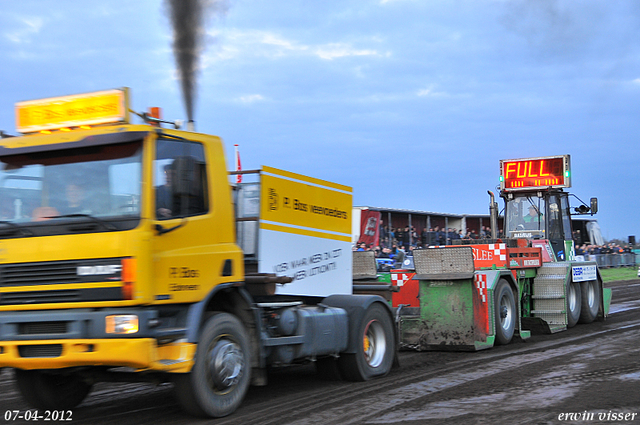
(583, 273)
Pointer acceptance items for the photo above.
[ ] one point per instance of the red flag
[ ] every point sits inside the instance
(238, 165)
(369, 223)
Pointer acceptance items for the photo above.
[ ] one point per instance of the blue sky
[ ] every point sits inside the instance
(411, 102)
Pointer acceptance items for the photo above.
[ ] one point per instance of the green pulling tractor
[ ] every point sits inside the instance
(487, 292)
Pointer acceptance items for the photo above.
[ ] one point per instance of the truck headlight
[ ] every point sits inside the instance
(122, 324)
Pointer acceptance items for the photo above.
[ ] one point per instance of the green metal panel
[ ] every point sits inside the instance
(384, 277)
(447, 320)
(447, 306)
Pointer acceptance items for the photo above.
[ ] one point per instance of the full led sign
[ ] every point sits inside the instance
(535, 173)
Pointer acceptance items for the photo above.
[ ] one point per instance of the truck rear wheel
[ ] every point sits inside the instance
(505, 312)
(375, 342)
(591, 297)
(221, 374)
(51, 391)
(574, 303)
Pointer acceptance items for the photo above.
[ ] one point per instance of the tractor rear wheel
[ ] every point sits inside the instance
(591, 298)
(574, 303)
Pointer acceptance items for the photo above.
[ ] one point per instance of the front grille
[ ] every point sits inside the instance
(39, 328)
(42, 350)
(40, 297)
(60, 272)
(48, 273)
(61, 296)
(43, 274)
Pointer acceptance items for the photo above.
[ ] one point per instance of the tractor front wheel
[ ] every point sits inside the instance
(505, 312)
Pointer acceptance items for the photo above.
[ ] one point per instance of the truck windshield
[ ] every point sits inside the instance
(525, 214)
(99, 184)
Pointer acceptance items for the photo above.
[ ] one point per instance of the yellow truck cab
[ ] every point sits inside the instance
(120, 259)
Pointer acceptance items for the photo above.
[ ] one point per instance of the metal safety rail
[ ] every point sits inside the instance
(613, 260)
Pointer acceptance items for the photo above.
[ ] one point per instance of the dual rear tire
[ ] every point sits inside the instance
(583, 302)
(591, 294)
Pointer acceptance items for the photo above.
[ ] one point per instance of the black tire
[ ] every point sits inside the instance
(505, 312)
(51, 391)
(574, 303)
(376, 347)
(591, 299)
(221, 375)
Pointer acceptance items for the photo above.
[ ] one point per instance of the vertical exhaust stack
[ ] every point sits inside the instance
(191, 125)
(188, 21)
(493, 214)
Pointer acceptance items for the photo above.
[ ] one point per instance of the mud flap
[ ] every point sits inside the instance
(606, 303)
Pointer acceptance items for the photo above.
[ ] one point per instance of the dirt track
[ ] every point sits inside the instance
(591, 372)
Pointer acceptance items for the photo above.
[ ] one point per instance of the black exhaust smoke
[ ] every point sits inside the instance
(188, 18)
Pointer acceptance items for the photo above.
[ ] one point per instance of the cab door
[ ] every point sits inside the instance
(559, 225)
(191, 253)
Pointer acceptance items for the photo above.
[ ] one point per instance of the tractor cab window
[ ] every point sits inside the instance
(180, 179)
(559, 223)
(525, 214)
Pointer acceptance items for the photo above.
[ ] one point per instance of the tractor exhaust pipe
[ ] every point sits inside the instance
(191, 125)
(493, 213)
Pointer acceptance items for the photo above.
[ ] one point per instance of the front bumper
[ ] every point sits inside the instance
(54, 339)
(140, 354)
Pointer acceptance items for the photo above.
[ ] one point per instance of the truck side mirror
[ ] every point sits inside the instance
(594, 205)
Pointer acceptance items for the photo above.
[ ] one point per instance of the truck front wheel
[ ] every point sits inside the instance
(221, 374)
(375, 347)
(52, 391)
(505, 312)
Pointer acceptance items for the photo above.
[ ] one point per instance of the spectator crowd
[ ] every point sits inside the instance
(396, 243)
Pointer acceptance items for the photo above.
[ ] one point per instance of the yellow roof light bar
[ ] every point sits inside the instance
(54, 113)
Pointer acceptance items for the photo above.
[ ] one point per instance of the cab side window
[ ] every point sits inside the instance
(180, 179)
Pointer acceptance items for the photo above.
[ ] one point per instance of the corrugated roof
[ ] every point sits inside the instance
(403, 211)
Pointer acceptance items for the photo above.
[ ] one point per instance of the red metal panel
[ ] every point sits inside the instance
(523, 258)
(409, 288)
(481, 306)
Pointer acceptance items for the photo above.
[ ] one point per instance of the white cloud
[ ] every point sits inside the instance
(268, 44)
(31, 25)
(636, 81)
(429, 92)
(339, 50)
(251, 98)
